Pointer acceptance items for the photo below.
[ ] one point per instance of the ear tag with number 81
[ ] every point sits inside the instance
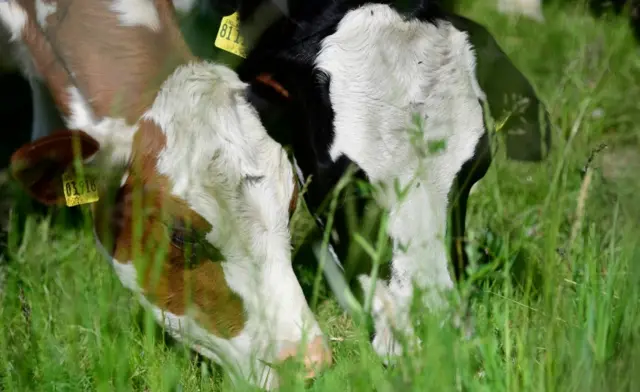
(79, 190)
(229, 38)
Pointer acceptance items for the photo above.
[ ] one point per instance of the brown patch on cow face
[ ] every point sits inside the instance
(176, 266)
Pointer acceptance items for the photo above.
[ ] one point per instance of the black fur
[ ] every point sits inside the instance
(287, 50)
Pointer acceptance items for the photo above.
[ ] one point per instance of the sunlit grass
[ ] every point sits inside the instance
(563, 316)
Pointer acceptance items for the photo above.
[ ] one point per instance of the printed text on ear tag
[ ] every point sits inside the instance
(79, 190)
(229, 37)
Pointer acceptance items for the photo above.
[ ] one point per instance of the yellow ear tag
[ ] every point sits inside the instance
(229, 38)
(79, 190)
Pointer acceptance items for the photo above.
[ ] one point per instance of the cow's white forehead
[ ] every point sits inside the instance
(215, 142)
(200, 110)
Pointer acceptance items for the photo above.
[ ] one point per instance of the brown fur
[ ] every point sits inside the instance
(45, 59)
(171, 284)
(119, 70)
(120, 67)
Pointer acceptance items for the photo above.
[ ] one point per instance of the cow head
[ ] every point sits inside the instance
(194, 195)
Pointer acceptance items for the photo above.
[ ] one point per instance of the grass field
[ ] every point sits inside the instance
(565, 317)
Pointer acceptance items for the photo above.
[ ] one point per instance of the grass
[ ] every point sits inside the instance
(561, 315)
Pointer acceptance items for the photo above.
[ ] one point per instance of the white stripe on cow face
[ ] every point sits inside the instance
(397, 90)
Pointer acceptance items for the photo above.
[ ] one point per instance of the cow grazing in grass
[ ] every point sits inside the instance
(194, 196)
(13, 58)
(345, 82)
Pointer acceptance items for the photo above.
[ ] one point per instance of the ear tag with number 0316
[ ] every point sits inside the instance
(79, 190)
(229, 38)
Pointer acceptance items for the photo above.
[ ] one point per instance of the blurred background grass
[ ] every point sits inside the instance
(560, 314)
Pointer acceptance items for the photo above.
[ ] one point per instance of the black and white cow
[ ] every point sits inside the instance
(344, 82)
(341, 81)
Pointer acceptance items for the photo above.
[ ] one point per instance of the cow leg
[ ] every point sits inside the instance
(419, 268)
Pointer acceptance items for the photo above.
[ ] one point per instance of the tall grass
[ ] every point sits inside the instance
(556, 307)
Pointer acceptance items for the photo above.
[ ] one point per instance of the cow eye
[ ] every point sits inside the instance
(193, 244)
(178, 238)
(181, 235)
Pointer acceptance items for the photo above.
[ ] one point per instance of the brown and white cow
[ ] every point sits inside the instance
(45, 117)
(194, 195)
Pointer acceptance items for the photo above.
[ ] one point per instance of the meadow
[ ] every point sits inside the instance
(556, 299)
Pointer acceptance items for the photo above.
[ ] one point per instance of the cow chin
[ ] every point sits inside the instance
(279, 326)
(272, 323)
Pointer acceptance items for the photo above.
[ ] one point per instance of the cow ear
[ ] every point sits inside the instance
(38, 166)
(514, 104)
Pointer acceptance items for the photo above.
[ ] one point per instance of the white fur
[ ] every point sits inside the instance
(81, 116)
(381, 75)
(43, 10)
(184, 6)
(114, 134)
(13, 17)
(387, 317)
(137, 13)
(529, 8)
(222, 162)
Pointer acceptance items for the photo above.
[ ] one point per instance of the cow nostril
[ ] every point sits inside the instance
(316, 356)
